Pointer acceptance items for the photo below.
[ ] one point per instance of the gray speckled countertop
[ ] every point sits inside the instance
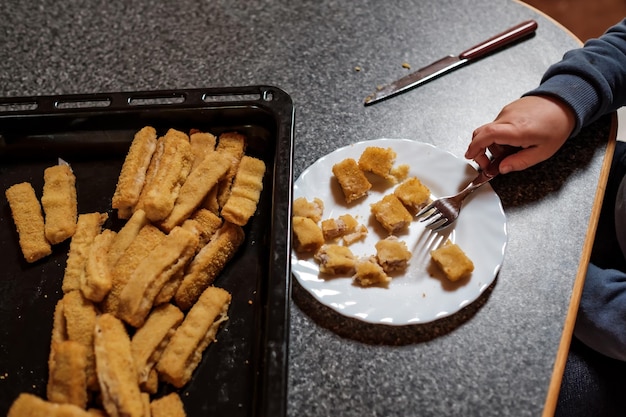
(495, 357)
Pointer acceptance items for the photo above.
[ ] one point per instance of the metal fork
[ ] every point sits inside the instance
(444, 211)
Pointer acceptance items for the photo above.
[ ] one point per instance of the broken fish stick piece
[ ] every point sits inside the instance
(196, 187)
(210, 201)
(151, 173)
(95, 282)
(168, 406)
(117, 374)
(67, 380)
(199, 328)
(148, 238)
(246, 191)
(59, 325)
(88, 226)
(169, 288)
(151, 385)
(173, 168)
(80, 318)
(204, 223)
(163, 262)
(59, 203)
(29, 405)
(133, 174)
(29, 221)
(125, 236)
(208, 263)
(149, 341)
(233, 146)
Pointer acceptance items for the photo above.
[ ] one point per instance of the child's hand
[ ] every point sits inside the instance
(539, 125)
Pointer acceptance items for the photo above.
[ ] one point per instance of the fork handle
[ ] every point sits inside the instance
(493, 169)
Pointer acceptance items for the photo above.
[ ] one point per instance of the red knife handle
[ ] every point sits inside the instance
(505, 38)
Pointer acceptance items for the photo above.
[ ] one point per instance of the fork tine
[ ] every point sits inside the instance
(443, 226)
(434, 216)
(437, 224)
(425, 209)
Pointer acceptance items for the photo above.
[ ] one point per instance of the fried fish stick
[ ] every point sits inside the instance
(151, 385)
(232, 145)
(95, 282)
(133, 174)
(29, 405)
(80, 319)
(204, 223)
(67, 380)
(196, 187)
(59, 325)
(184, 351)
(171, 172)
(163, 262)
(125, 236)
(210, 201)
(149, 341)
(168, 406)
(89, 226)
(29, 221)
(208, 263)
(117, 374)
(59, 203)
(202, 143)
(245, 192)
(148, 238)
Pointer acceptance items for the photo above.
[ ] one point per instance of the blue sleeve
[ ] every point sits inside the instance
(601, 320)
(591, 79)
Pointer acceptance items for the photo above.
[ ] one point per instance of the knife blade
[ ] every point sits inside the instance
(452, 62)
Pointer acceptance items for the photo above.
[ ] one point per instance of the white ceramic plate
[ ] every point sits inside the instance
(420, 294)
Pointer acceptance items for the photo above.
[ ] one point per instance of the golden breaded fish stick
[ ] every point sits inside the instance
(151, 173)
(171, 172)
(203, 223)
(89, 226)
(95, 282)
(126, 235)
(29, 405)
(184, 351)
(210, 201)
(148, 238)
(168, 291)
(116, 370)
(163, 262)
(133, 174)
(202, 143)
(246, 191)
(80, 319)
(67, 380)
(196, 187)
(59, 325)
(29, 221)
(232, 145)
(151, 385)
(168, 406)
(149, 341)
(59, 203)
(208, 263)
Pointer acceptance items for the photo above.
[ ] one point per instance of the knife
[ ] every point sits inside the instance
(451, 62)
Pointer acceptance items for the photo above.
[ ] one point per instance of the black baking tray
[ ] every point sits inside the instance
(244, 373)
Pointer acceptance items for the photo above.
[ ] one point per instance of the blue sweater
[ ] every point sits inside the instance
(592, 81)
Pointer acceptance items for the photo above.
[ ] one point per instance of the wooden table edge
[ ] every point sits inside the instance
(570, 318)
